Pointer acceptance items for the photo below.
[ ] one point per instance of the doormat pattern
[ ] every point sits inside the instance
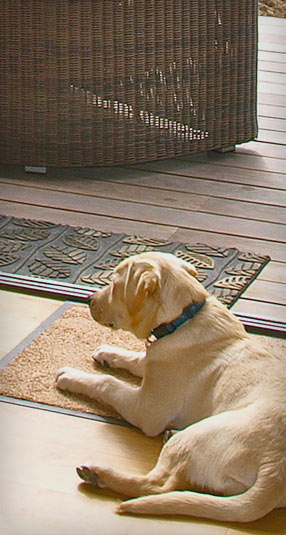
(73, 261)
(68, 338)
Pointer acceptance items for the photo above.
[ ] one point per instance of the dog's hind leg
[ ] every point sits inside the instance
(167, 475)
(159, 480)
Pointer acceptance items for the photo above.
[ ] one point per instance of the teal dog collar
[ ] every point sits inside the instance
(168, 328)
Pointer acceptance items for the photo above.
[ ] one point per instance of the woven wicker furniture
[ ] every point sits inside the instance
(106, 82)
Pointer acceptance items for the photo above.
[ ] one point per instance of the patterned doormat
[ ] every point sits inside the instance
(73, 261)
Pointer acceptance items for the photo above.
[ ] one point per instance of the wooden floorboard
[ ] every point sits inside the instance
(182, 218)
(269, 136)
(269, 123)
(275, 272)
(237, 199)
(218, 171)
(269, 87)
(271, 46)
(231, 159)
(265, 110)
(276, 77)
(107, 224)
(265, 96)
(222, 184)
(158, 196)
(273, 67)
(260, 309)
(262, 290)
(43, 495)
(269, 55)
(263, 149)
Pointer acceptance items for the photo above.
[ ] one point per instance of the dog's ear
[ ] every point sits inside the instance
(148, 281)
(142, 280)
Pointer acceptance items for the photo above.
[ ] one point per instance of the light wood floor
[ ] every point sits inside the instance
(236, 199)
(40, 492)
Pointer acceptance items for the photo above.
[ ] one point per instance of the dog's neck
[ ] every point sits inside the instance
(168, 328)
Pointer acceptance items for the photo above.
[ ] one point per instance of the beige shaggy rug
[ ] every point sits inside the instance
(70, 341)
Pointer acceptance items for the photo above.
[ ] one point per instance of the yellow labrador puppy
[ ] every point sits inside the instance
(201, 374)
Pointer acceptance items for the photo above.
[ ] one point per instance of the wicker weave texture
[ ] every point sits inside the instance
(106, 82)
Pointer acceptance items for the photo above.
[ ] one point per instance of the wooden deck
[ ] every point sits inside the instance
(235, 199)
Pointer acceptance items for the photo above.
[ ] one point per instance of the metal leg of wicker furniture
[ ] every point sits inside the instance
(222, 150)
(35, 169)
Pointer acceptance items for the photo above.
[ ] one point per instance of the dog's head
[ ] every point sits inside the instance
(146, 290)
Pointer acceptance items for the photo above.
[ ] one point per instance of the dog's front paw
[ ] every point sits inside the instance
(69, 379)
(105, 355)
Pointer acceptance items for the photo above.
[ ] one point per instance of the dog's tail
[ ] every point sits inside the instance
(264, 496)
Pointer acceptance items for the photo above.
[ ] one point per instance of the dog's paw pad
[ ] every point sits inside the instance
(101, 362)
(104, 355)
(88, 475)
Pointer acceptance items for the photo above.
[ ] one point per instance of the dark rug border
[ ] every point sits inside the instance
(11, 355)
(61, 410)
